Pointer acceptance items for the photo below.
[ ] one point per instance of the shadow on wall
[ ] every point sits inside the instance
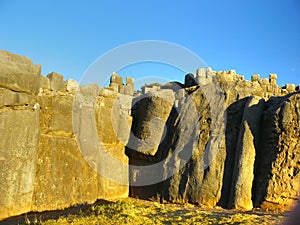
(268, 149)
(243, 155)
(265, 142)
(138, 158)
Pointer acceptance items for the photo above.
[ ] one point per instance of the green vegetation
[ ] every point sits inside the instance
(131, 211)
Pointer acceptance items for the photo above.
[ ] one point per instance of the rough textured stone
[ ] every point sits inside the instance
(11, 98)
(72, 86)
(224, 77)
(63, 177)
(56, 81)
(56, 115)
(150, 115)
(291, 88)
(255, 77)
(98, 143)
(20, 134)
(90, 90)
(247, 146)
(278, 163)
(18, 73)
(230, 180)
(190, 80)
(45, 83)
(200, 178)
(273, 76)
(129, 80)
(234, 117)
(52, 144)
(129, 89)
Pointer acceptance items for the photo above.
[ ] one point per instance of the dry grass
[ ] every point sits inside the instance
(132, 211)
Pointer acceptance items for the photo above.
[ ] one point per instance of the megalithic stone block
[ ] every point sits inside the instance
(255, 78)
(18, 73)
(290, 87)
(129, 80)
(129, 89)
(56, 81)
(247, 146)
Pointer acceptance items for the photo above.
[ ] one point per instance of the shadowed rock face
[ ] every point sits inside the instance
(276, 184)
(218, 140)
(255, 163)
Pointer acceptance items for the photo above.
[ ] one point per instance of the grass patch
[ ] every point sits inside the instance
(132, 211)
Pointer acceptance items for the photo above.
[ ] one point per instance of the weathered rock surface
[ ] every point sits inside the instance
(18, 73)
(277, 175)
(215, 140)
(150, 113)
(232, 173)
(56, 81)
(247, 146)
(42, 164)
(197, 155)
(20, 133)
(63, 177)
(12, 98)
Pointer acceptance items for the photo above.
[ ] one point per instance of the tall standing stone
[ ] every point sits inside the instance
(20, 132)
(247, 146)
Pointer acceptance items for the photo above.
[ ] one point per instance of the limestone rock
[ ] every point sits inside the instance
(63, 177)
(198, 156)
(19, 130)
(56, 115)
(290, 88)
(90, 90)
(277, 175)
(216, 140)
(45, 83)
(11, 98)
(98, 144)
(234, 118)
(117, 122)
(18, 73)
(150, 113)
(247, 146)
(72, 86)
(56, 81)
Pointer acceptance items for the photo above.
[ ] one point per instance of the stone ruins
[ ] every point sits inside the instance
(51, 128)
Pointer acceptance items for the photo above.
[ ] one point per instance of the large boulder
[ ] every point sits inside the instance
(150, 113)
(63, 178)
(196, 150)
(10, 98)
(18, 73)
(241, 169)
(56, 81)
(56, 115)
(276, 184)
(247, 146)
(19, 130)
(98, 139)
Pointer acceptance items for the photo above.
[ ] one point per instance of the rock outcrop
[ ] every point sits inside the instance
(216, 140)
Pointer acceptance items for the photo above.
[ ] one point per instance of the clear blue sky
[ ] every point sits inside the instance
(254, 36)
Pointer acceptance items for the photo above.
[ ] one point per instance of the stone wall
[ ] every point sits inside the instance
(116, 84)
(42, 166)
(269, 85)
(51, 131)
(256, 163)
